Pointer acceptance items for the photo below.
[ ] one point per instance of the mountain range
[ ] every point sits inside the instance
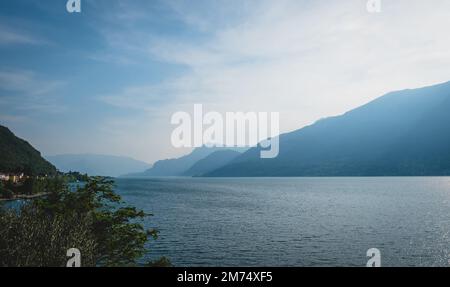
(212, 162)
(201, 160)
(97, 165)
(403, 133)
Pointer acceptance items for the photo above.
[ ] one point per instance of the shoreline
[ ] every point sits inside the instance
(23, 196)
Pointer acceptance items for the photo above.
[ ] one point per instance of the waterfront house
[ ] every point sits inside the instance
(4, 177)
(15, 178)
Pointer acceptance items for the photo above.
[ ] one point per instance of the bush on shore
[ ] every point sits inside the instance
(92, 219)
(5, 192)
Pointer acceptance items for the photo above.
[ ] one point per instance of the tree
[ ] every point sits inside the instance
(5, 192)
(32, 186)
(32, 238)
(92, 218)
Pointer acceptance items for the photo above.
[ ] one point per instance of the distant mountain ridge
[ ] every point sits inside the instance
(403, 133)
(98, 165)
(18, 156)
(212, 162)
(179, 166)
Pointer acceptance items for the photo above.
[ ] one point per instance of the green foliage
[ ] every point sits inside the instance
(73, 176)
(29, 186)
(19, 156)
(91, 218)
(33, 186)
(33, 238)
(162, 262)
(5, 192)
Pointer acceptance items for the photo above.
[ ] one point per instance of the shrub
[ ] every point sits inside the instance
(5, 192)
(31, 238)
(92, 219)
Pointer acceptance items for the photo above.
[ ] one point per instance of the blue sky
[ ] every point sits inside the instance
(107, 80)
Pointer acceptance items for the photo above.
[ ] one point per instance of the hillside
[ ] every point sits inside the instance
(212, 162)
(179, 166)
(17, 156)
(404, 133)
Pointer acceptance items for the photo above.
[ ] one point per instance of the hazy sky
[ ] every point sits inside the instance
(108, 80)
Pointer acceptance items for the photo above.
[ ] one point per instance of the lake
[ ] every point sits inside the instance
(295, 221)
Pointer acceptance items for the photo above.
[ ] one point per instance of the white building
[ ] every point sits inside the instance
(4, 177)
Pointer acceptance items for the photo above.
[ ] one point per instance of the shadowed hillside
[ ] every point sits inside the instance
(404, 133)
(18, 156)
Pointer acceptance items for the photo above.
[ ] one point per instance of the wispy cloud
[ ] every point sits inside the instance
(305, 59)
(27, 82)
(22, 90)
(308, 60)
(147, 98)
(5, 118)
(14, 36)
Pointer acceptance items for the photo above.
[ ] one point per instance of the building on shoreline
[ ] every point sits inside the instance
(15, 178)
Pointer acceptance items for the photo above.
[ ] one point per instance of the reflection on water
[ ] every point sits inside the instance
(15, 204)
(296, 221)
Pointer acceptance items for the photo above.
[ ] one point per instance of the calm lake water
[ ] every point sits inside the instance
(295, 221)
